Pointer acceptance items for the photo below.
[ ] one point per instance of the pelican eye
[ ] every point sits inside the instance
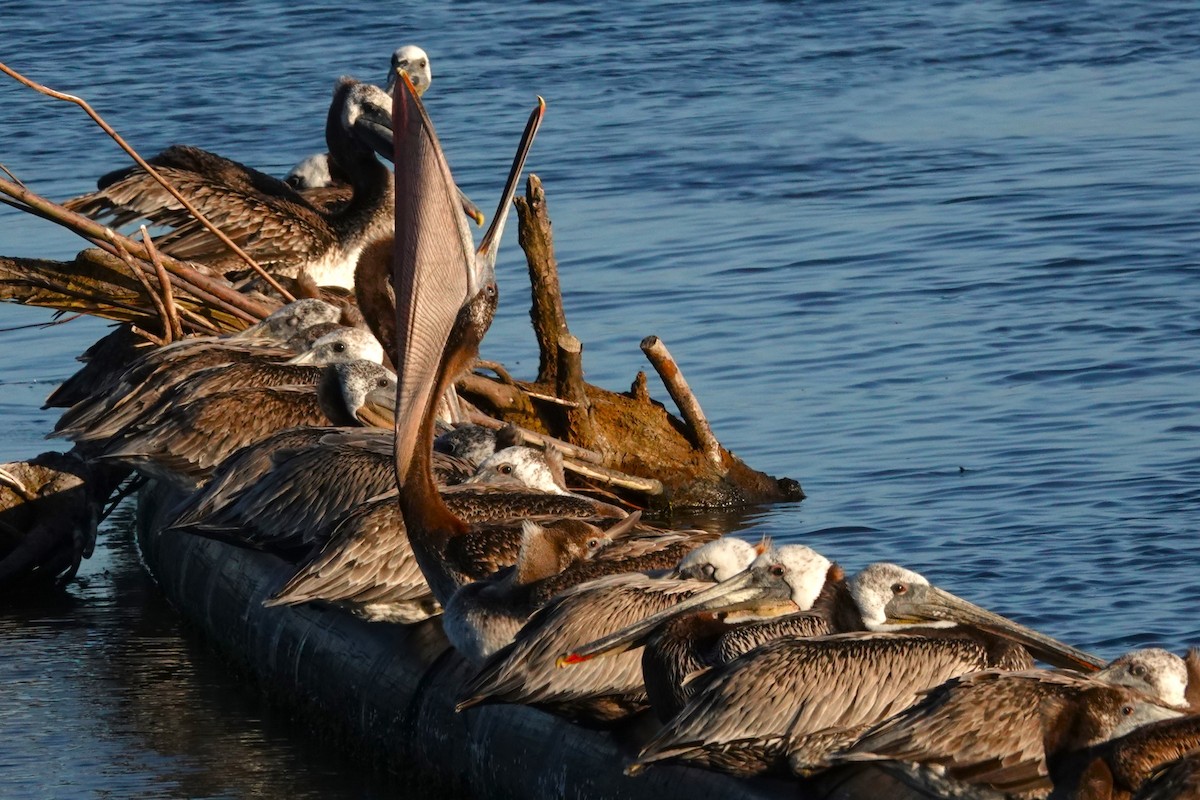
(339, 347)
(709, 570)
(293, 322)
(593, 544)
(383, 383)
(899, 588)
(505, 469)
(1138, 670)
(776, 570)
(490, 289)
(1126, 710)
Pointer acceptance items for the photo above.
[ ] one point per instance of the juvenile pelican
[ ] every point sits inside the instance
(114, 382)
(285, 233)
(603, 689)
(165, 390)
(189, 441)
(1165, 676)
(484, 616)
(683, 643)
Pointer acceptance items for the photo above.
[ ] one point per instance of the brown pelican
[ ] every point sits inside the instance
(826, 691)
(445, 299)
(110, 378)
(484, 616)
(191, 439)
(683, 643)
(474, 443)
(167, 389)
(292, 505)
(286, 234)
(602, 689)
(1133, 764)
(998, 734)
(1165, 676)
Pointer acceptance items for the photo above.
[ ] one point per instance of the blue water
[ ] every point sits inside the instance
(939, 262)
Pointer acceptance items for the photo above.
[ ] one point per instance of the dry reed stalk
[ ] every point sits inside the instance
(116, 137)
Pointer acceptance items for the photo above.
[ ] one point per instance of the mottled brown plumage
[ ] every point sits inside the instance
(805, 698)
(1002, 732)
(368, 564)
(192, 438)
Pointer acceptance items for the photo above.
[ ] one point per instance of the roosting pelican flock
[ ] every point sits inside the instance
(330, 433)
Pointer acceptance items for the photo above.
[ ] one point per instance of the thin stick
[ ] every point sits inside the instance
(153, 295)
(660, 358)
(537, 439)
(79, 101)
(612, 477)
(8, 172)
(164, 284)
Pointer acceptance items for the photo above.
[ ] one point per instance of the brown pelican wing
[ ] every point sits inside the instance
(1133, 758)
(526, 670)
(796, 694)
(294, 505)
(367, 560)
(194, 438)
(256, 210)
(744, 638)
(241, 470)
(984, 728)
(478, 502)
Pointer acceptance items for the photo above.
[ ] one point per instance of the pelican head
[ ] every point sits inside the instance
(1152, 671)
(358, 393)
(792, 572)
(365, 114)
(525, 466)
(549, 548)
(891, 597)
(346, 344)
(717, 560)
(290, 320)
(473, 443)
(413, 62)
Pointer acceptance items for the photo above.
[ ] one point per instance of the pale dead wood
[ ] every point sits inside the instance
(153, 173)
(660, 358)
(123, 254)
(537, 439)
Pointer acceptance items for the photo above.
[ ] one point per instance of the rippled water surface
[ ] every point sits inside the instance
(939, 263)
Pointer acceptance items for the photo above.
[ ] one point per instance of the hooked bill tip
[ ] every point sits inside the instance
(570, 658)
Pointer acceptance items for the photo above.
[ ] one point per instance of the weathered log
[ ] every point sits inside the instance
(633, 434)
(536, 238)
(389, 690)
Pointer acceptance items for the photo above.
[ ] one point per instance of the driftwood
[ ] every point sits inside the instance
(633, 433)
